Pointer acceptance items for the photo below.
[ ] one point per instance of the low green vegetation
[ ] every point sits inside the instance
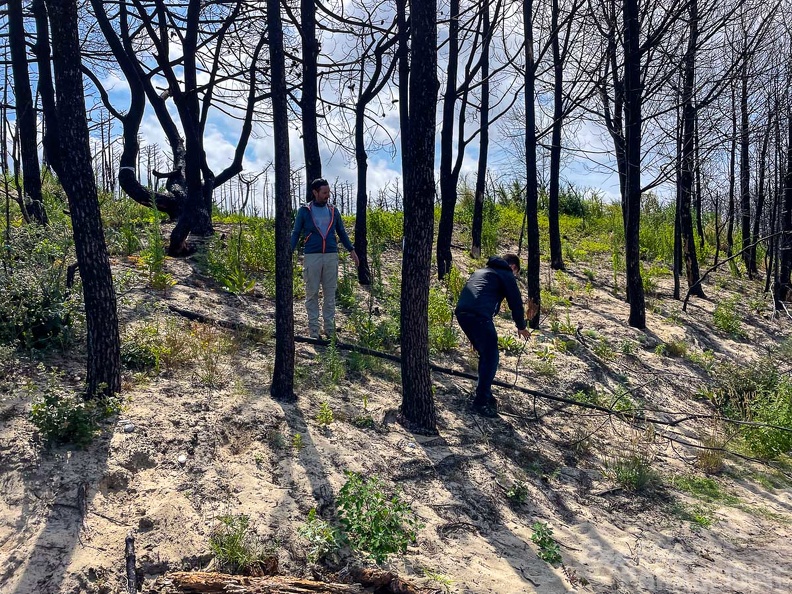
(238, 548)
(542, 537)
(62, 415)
(376, 522)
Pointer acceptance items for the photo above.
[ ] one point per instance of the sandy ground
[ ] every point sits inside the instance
(240, 459)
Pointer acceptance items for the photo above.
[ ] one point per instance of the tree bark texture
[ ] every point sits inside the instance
(308, 100)
(448, 182)
(632, 137)
(481, 174)
(417, 408)
(688, 164)
(33, 207)
(282, 387)
(77, 178)
(745, 169)
(782, 285)
(531, 182)
(46, 88)
(556, 255)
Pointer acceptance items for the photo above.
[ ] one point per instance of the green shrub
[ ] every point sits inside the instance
(727, 319)
(632, 471)
(542, 537)
(375, 523)
(64, 417)
(323, 539)
(237, 548)
(37, 310)
(761, 394)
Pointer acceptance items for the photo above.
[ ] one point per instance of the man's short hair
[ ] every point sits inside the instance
(318, 183)
(512, 259)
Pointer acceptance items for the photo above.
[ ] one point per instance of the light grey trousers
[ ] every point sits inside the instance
(320, 269)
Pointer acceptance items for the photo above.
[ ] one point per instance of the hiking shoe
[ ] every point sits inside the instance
(315, 335)
(488, 409)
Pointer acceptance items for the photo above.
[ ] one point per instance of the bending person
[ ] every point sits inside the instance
(479, 302)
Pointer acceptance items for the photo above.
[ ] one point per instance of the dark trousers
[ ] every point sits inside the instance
(481, 333)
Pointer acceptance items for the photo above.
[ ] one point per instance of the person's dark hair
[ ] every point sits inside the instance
(512, 259)
(318, 183)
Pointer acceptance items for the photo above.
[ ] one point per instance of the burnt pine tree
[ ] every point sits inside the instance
(33, 207)
(417, 410)
(46, 89)
(481, 172)
(377, 80)
(632, 154)
(532, 184)
(139, 37)
(282, 386)
(77, 178)
(308, 99)
(687, 168)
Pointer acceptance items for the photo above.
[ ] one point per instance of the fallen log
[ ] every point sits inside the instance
(203, 582)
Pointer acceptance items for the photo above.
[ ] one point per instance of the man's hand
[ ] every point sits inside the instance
(524, 333)
(355, 258)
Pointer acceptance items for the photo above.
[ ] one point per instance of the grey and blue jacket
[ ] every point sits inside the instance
(319, 241)
(487, 287)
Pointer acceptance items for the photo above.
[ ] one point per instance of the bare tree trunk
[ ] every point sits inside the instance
(782, 286)
(531, 188)
(282, 386)
(481, 173)
(310, 76)
(556, 256)
(732, 177)
(745, 170)
(448, 182)
(104, 346)
(760, 191)
(33, 207)
(417, 409)
(46, 89)
(632, 137)
(688, 164)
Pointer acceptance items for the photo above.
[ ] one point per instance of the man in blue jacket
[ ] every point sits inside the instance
(478, 303)
(319, 223)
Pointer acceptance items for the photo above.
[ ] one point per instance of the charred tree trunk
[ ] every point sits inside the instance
(33, 207)
(745, 171)
(361, 233)
(46, 89)
(688, 164)
(732, 178)
(282, 387)
(632, 137)
(417, 409)
(310, 54)
(448, 182)
(760, 193)
(403, 53)
(481, 174)
(531, 183)
(782, 286)
(104, 347)
(556, 256)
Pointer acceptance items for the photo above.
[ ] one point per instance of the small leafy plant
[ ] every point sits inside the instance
(542, 537)
(238, 549)
(376, 523)
(518, 492)
(633, 472)
(323, 539)
(63, 417)
(325, 415)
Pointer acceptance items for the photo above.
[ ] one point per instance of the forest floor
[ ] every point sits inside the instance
(686, 532)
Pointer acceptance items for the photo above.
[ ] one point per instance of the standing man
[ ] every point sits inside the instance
(478, 303)
(319, 222)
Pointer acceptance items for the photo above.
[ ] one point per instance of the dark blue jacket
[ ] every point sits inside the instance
(487, 287)
(316, 241)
